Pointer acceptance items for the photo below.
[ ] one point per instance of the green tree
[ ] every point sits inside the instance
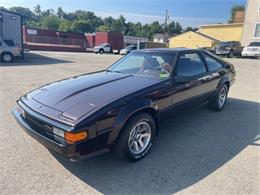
(65, 25)
(188, 29)
(171, 28)
(118, 25)
(178, 28)
(108, 21)
(87, 21)
(50, 22)
(26, 13)
(81, 26)
(155, 27)
(233, 10)
(60, 13)
(48, 12)
(103, 28)
(37, 10)
(3, 8)
(191, 29)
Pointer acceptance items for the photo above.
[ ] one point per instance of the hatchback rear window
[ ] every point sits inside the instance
(9, 43)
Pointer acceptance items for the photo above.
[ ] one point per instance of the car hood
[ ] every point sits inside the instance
(76, 97)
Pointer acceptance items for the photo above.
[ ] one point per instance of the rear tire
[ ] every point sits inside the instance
(7, 57)
(136, 138)
(219, 101)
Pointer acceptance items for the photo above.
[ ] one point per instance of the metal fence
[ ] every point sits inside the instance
(55, 40)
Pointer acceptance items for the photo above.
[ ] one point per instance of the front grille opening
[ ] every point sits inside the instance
(38, 125)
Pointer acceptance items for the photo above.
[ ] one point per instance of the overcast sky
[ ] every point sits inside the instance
(187, 12)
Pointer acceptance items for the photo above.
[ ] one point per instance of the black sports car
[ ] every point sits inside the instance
(120, 108)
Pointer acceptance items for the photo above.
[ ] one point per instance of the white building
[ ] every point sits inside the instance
(251, 31)
(130, 40)
(159, 38)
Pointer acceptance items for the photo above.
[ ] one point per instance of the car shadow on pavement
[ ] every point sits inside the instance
(189, 147)
(31, 59)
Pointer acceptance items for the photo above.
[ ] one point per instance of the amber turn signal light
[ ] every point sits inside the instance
(74, 137)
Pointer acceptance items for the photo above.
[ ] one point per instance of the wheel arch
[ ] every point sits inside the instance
(6, 52)
(131, 110)
(224, 80)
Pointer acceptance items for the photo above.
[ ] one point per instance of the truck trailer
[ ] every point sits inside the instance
(108, 42)
(11, 41)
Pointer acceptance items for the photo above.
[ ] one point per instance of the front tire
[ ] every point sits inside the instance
(219, 101)
(7, 57)
(136, 138)
(231, 54)
(101, 51)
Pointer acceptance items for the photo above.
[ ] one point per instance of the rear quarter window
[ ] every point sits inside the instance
(190, 64)
(9, 43)
(212, 63)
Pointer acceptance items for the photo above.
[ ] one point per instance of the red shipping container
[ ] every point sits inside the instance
(115, 39)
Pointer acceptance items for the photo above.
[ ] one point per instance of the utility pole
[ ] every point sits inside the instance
(165, 26)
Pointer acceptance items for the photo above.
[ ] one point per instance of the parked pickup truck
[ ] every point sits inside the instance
(108, 42)
(103, 48)
(229, 49)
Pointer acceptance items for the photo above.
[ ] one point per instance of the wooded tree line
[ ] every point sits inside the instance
(86, 21)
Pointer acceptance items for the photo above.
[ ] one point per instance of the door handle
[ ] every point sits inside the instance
(206, 78)
(186, 85)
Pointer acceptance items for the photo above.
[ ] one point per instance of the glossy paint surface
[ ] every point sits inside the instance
(102, 102)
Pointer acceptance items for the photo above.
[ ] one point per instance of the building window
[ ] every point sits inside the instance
(257, 30)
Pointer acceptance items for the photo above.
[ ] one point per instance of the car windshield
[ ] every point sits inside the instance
(129, 47)
(156, 65)
(257, 44)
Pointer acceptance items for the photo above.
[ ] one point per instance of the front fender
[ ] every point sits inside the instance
(128, 111)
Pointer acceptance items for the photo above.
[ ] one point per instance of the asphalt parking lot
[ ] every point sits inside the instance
(198, 152)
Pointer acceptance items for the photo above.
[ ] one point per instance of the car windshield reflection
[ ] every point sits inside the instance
(155, 65)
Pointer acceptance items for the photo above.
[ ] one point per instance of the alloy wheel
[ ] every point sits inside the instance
(7, 58)
(222, 97)
(139, 137)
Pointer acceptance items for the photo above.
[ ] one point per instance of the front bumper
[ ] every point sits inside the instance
(222, 52)
(96, 50)
(73, 151)
(250, 54)
(123, 52)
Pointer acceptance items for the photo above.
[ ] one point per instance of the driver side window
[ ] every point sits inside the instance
(190, 64)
